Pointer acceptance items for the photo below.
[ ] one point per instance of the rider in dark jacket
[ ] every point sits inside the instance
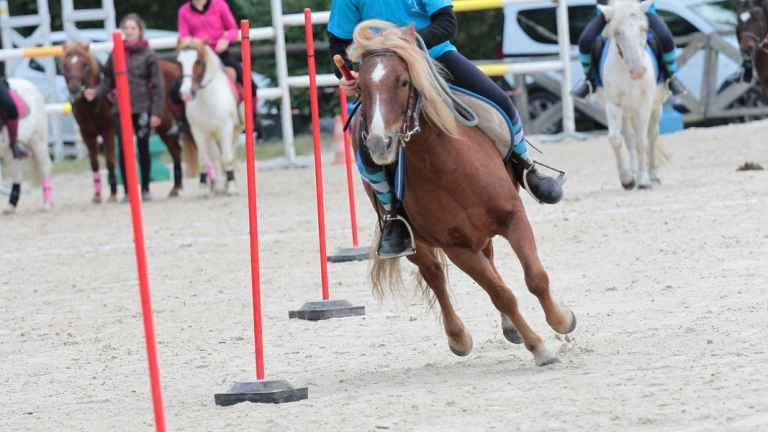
(10, 115)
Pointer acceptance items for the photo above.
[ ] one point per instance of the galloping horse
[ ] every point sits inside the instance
(215, 115)
(82, 70)
(752, 32)
(631, 94)
(458, 193)
(33, 131)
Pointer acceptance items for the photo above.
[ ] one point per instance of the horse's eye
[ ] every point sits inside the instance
(404, 84)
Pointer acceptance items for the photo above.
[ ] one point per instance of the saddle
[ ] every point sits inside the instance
(237, 88)
(600, 49)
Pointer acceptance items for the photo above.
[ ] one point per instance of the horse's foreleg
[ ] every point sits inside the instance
(433, 273)
(520, 237)
(202, 158)
(630, 137)
(653, 135)
(479, 267)
(93, 155)
(228, 142)
(641, 129)
(614, 115)
(17, 174)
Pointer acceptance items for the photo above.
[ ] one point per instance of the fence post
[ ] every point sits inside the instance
(282, 80)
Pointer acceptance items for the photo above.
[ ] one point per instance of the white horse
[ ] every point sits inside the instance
(33, 131)
(215, 118)
(631, 96)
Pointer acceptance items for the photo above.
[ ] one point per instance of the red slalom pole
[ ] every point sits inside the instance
(250, 156)
(318, 150)
(126, 126)
(348, 160)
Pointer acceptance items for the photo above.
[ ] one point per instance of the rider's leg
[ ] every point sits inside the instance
(660, 29)
(11, 116)
(392, 243)
(180, 122)
(587, 39)
(466, 75)
(228, 60)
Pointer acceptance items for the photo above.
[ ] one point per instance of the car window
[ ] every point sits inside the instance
(541, 24)
(35, 65)
(678, 25)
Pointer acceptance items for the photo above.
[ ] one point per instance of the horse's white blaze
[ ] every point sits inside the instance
(74, 60)
(377, 123)
(379, 72)
(187, 58)
(745, 16)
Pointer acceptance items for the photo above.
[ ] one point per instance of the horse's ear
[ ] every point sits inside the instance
(607, 11)
(645, 5)
(410, 33)
(85, 45)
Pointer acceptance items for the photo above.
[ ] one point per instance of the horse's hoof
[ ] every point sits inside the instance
(551, 361)
(231, 189)
(462, 353)
(573, 323)
(47, 206)
(112, 199)
(9, 210)
(629, 186)
(174, 193)
(656, 180)
(96, 199)
(645, 187)
(512, 335)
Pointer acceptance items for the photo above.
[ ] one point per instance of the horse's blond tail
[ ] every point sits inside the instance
(37, 173)
(386, 275)
(189, 155)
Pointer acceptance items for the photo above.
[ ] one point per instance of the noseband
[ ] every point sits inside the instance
(412, 111)
(199, 81)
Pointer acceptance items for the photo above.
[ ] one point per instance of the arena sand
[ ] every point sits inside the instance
(669, 287)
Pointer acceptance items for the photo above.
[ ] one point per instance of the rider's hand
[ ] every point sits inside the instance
(349, 87)
(221, 46)
(155, 121)
(89, 94)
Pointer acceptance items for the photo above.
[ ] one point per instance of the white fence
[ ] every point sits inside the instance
(285, 82)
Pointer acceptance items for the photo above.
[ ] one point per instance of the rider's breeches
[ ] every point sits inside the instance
(142, 130)
(376, 176)
(656, 24)
(464, 74)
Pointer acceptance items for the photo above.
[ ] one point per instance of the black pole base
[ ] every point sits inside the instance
(264, 391)
(320, 310)
(357, 253)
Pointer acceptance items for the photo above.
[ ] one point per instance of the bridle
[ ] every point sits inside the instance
(84, 78)
(198, 80)
(759, 41)
(412, 110)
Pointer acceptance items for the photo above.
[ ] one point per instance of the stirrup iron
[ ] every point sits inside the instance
(409, 250)
(560, 179)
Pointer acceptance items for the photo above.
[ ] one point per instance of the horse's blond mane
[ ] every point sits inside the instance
(192, 43)
(376, 34)
(623, 9)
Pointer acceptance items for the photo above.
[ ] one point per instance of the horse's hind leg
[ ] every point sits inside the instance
(17, 173)
(175, 150)
(520, 237)
(615, 115)
(641, 129)
(108, 139)
(433, 273)
(479, 267)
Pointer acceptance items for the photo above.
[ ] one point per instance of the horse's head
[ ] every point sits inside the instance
(192, 55)
(393, 80)
(751, 27)
(628, 27)
(78, 65)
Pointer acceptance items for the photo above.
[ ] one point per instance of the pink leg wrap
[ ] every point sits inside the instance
(47, 191)
(97, 182)
(211, 172)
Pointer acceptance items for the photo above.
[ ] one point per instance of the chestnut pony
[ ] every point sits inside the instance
(458, 193)
(752, 32)
(82, 70)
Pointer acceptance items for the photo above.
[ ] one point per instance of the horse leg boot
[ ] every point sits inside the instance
(478, 265)
(433, 273)
(19, 150)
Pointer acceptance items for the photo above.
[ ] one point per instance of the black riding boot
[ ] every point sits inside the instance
(676, 87)
(542, 187)
(392, 243)
(19, 150)
(583, 88)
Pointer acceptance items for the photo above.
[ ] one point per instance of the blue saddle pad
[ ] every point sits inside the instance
(604, 55)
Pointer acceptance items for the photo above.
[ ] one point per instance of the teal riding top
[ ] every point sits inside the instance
(347, 14)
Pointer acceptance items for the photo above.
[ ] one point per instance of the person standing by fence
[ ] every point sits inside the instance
(147, 88)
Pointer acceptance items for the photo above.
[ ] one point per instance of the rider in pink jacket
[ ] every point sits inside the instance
(212, 19)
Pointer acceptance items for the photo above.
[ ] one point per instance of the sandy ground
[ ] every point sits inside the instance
(669, 287)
